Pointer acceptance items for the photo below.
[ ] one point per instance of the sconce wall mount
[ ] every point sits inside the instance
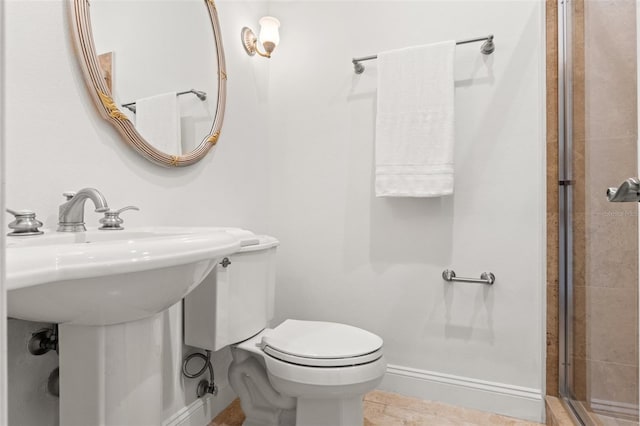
(250, 41)
(269, 37)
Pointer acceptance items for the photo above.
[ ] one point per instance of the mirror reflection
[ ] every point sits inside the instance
(159, 59)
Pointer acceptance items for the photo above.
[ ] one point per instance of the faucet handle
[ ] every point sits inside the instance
(69, 194)
(628, 191)
(112, 221)
(25, 223)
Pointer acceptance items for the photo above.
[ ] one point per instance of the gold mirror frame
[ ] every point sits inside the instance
(103, 99)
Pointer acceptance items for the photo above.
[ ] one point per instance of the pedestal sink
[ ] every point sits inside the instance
(105, 289)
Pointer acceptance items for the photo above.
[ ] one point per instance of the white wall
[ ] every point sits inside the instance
(345, 255)
(3, 321)
(56, 141)
(377, 262)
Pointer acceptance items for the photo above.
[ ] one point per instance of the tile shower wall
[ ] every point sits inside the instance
(377, 262)
(606, 306)
(56, 141)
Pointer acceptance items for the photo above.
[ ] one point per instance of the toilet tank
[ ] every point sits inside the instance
(234, 302)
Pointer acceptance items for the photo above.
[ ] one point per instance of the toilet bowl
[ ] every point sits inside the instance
(324, 368)
(304, 373)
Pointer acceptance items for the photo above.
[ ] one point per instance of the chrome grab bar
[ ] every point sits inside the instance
(485, 277)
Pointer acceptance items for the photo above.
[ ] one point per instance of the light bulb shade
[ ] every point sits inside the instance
(269, 33)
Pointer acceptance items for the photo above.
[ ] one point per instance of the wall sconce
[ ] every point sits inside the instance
(269, 37)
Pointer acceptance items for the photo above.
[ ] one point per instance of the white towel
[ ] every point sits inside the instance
(158, 121)
(415, 121)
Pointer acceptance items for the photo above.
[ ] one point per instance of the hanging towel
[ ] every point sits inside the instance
(415, 121)
(158, 121)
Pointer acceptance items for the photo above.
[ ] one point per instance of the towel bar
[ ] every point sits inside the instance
(485, 277)
(199, 93)
(487, 48)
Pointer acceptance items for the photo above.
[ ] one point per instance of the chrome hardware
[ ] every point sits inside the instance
(131, 106)
(225, 262)
(24, 224)
(43, 341)
(112, 221)
(204, 386)
(71, 213)
(628, 192)
(485, 277)
(69, 195)
(487, 48)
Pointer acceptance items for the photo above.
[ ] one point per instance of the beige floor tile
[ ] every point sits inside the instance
(374, 414)
(230, 416)
(389, 409)
(404, 416)
(459, 415)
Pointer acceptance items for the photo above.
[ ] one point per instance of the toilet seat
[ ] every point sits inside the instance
(312, 375)
(321, 344)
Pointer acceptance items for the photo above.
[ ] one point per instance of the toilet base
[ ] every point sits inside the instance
(277, 393)
(261, 404)
(329, 412)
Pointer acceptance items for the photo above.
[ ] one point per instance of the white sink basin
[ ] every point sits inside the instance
(110, 277)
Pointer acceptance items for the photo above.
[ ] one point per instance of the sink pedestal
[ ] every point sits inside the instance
(111, 375)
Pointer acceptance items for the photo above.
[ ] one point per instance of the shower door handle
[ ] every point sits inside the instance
(628, 192)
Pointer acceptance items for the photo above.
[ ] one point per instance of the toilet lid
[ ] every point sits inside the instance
(316, 343)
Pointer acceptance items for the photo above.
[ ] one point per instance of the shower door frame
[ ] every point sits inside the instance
(566, 186)
(565, 222)
(565, 213)
(565, 197)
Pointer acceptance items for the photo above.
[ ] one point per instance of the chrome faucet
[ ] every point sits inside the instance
(71, 217)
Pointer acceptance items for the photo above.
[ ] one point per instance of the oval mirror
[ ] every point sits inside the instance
(156, 70)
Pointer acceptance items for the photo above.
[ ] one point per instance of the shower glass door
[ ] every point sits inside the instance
(599, 239)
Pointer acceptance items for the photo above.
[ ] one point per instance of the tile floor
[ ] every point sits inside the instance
(388, 409)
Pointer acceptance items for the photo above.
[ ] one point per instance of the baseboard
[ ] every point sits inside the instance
(505, 399)
(501, 398)
(201, 411)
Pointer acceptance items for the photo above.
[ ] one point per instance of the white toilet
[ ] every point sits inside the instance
(305, 373)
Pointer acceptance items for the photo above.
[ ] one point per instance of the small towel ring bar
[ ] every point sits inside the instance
(487, 48)
(485, 277)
